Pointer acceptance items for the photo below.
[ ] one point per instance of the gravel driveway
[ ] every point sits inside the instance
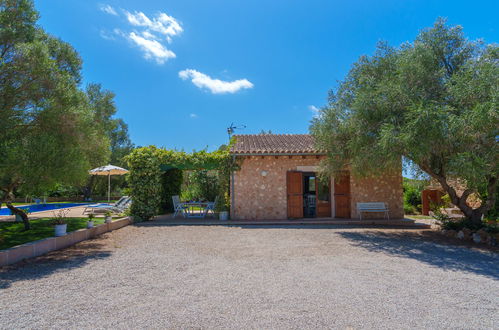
(254, 277)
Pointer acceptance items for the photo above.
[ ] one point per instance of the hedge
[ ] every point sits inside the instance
(151, 187)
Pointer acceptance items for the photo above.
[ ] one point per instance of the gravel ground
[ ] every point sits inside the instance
(254, 277)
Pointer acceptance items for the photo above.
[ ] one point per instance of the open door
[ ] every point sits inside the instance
(295, 194)
(323, 193)
(342, 196)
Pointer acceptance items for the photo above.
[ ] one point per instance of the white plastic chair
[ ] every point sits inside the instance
(210, 207)
(178, 206)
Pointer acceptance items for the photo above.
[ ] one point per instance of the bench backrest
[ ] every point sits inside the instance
(371, 206)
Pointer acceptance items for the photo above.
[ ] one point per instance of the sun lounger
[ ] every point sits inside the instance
(119, 207)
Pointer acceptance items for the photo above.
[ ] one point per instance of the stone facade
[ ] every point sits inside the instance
(260, 187)
(384, 188)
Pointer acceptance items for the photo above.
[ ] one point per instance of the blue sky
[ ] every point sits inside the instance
(184, 70)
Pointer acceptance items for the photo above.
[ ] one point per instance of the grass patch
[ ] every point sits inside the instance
(418, 217)
(13, 233)
(16, 204)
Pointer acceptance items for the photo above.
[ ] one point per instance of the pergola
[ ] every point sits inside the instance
(147, 165)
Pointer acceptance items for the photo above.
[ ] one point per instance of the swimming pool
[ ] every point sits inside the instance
(42, 207)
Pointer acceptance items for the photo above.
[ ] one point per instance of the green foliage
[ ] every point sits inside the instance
(47, 131)
(433, 101)
(101, 101)
(13, 233)
(412, 196)
(51, 131)
(145, 177)
(459, 224)
(446, 202)
(442, 219)
(144, 180)
(201, 185)
(493, 213)
(410, 209)
(60, 217)
(172, 185)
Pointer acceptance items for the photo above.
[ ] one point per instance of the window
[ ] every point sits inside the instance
(311, 184)
(323, 192)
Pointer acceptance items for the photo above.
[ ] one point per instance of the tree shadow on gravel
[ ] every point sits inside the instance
(54, 262)
(427, 250)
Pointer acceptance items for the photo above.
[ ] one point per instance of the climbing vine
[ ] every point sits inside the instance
(152, 181)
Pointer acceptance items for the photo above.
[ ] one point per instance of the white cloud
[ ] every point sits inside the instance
(193, 115)
(313, 108)
(107, 35)
(216, 86)
(163, 24)
(119, 33)
(108, 9)
(149, 34)
(152, 49)
(316, 111)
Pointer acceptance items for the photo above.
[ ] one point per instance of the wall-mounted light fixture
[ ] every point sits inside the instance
(264, 173)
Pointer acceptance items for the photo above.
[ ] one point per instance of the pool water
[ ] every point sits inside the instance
(42, 207)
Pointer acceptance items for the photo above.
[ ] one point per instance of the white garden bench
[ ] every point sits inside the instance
(378, 207)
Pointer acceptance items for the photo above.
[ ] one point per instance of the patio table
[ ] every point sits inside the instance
(192, 209)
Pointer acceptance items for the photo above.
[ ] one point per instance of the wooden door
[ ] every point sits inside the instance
(342, 196)
(295, 194)
(323, 198)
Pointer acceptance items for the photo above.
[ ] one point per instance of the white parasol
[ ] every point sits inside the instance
(108, 170)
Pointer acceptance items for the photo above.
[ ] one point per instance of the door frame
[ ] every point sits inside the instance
(331, 194)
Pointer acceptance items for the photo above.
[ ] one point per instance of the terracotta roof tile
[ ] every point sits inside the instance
(274, 144)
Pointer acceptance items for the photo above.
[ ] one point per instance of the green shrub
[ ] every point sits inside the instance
(447, 223)
(145, 178)
(409, 209)
(412, 195)
(493, 213)
(171, 181)
(201, 185)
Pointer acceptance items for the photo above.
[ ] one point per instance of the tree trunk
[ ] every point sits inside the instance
(87, 190)
(475, 215)
(21, 213)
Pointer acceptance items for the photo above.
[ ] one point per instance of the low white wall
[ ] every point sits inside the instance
(40, 247)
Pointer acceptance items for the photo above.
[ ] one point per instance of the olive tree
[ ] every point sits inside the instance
(433, 102)
(47, 134)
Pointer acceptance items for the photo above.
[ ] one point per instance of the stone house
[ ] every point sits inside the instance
(278, 179)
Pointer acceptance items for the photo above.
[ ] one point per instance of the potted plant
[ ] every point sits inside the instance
(223, 212)
(222, 207)
(60, 222)
(90, 221)
(109, 218)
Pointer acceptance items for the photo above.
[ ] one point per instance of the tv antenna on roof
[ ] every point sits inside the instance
(232, 128)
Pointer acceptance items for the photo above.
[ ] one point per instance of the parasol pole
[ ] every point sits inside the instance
(109, 187)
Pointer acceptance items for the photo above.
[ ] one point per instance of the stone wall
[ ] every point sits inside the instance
(264, 197)
(260, 188)
(386, 188)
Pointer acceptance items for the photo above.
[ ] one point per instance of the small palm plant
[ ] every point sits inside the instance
(90, 221)
(108, 214)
